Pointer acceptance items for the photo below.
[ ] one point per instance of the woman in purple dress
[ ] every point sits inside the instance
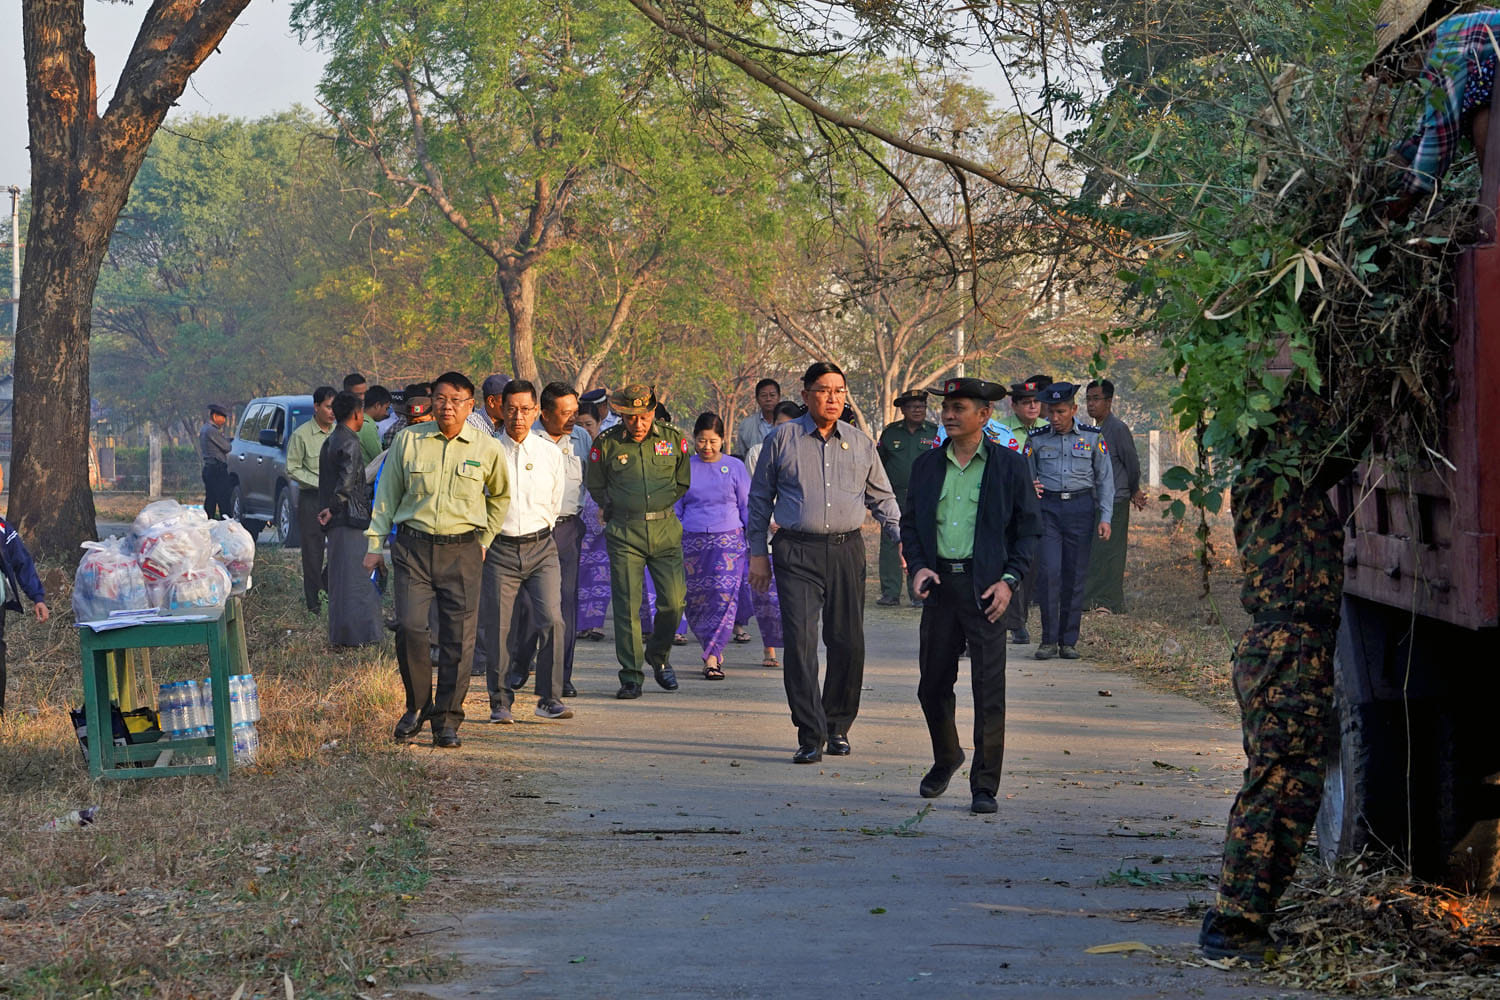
(713, 514)
(593, 564)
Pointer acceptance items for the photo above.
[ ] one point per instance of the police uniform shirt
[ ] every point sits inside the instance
(538, 480)
(996, 431)
(213, 443)
(1076, 461)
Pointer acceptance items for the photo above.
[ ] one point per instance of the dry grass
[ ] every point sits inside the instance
(300, 870)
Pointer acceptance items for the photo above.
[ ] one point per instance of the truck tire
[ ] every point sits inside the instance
(286, 518)
(237, 511)
(1408, 777)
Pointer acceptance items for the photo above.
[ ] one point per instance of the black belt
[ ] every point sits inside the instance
(422, 536)
(1066, 494)
(955, 567)
(832, 538)
(566, 517)
(535, 536)
(1278, 616)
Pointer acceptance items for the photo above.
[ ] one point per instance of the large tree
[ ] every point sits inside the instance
(82, 166)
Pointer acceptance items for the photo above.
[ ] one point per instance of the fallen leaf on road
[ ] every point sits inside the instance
(877, 909)
(578, 959)
(1116, 948)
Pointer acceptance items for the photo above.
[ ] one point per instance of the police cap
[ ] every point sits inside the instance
(217, 410)
(1058, 392)
(971, 388)
(910, 396)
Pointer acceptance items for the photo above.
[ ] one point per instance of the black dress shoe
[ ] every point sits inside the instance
(446, 739)
(984, 802)
(408, 726)
(838, 745)
(665, 676)
(935, 781)
(807, 754)
(628, 691)
(569, 691)
(1020, 637)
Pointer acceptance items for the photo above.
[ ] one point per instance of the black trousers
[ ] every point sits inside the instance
(447, 577)
(951, 616)
(312, 542)
(216, 489)
(813, 578)
(1020, 603)
(568, 533)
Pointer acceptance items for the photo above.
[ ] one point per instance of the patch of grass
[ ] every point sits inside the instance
(1136, 877)
(301, 870)
(906, 828)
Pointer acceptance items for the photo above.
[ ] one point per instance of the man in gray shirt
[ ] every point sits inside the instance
(213, 447)
(1106, 579)
(817, 475)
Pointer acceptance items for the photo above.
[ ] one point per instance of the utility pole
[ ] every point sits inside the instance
(15, 259)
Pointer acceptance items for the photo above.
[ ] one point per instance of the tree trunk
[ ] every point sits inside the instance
(518, 290)
(82, 166)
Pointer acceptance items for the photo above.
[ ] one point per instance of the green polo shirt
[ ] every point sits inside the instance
(958, 507)
(302, 450)
(441, 486)
(369, 440)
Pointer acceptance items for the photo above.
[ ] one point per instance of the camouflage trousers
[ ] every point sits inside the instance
(1283, 680)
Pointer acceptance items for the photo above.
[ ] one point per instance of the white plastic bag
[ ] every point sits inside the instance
(108, 579)
(234, 549)
(199, 589)
(170, 547)
(155, 513)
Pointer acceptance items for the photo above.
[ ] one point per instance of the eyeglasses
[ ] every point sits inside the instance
(450, 402)
(823, 390)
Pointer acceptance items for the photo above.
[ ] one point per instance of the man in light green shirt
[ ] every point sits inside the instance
(303, 449)
(445, 490)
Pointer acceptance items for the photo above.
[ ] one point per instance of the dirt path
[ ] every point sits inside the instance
(668, 847)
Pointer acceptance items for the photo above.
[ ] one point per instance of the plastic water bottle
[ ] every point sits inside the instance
(252, 713)
(242, 743)
(193, 696)
(180, 710)
(252, 742)
(236, 699)
(207, 687)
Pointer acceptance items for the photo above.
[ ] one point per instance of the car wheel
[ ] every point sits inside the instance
(237, 513)
(286, 518)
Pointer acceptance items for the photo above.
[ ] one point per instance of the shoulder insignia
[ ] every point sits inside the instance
(1104, 448)
(683, 446)
(594, 455)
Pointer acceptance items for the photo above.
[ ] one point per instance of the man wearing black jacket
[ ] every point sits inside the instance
(971, 526)
(344, 501)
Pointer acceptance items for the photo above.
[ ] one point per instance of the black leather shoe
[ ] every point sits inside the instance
(446, 739)
(807, 754)
(1020, 637)
(1068, 653)
(984, 802)
(409, 725)
(935, 781)
(665, 676)
(569, 691)
(838, 745)
(628, 691)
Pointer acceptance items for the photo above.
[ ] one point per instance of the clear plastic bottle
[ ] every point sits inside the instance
(207, 687)
(236, 699)
(194, 699)
(253, 708)
(242, 732)
(252, 742)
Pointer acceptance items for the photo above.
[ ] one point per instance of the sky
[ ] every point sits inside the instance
(259, 68)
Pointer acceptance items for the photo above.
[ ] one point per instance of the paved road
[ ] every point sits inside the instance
(680, 853)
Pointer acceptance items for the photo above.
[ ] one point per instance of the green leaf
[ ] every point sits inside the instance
(1177, 478)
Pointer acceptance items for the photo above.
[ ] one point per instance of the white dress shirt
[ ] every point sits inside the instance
(574, 446)
(538, 479)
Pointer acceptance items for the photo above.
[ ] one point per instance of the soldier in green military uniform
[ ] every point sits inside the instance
(1291, 551)
(636, 471)
(899, 445)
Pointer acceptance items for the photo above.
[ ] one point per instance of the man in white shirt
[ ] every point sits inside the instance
(523, 557)
(556, 424)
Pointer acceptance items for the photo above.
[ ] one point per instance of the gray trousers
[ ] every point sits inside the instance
(568, 534)
(528, 585)
(428, 575)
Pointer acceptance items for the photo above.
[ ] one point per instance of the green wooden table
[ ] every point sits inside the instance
(107, 672)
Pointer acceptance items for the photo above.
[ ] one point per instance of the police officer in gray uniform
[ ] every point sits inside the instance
(1070, 464)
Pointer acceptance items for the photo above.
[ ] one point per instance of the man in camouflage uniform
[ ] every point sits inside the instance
(1291, 549)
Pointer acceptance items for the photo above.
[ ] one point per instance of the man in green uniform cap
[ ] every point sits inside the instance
(636, 471)
(899, 445)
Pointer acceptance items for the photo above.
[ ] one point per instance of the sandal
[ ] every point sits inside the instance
(741, 634)
(770, 662)
(713, 672)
